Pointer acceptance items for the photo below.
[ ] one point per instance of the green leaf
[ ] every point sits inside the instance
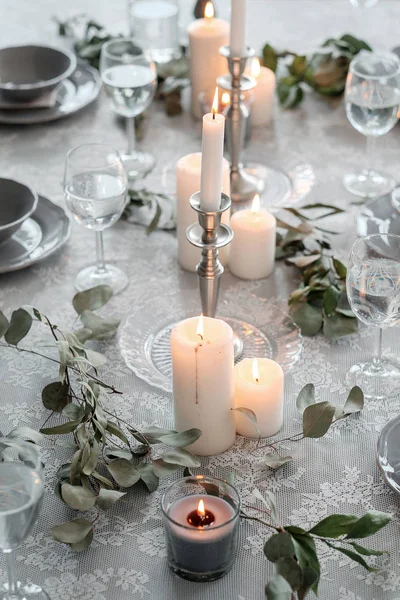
(317, 419)
(289, 568)
(164, 469)
(334, 526)
(306, 397)
(279, 546)
(182, 439)
(250, 415)
(356, 43)
(102, 480)
(107, 498)
(100, 328)
(307, 317)
(75, 469)
(340, 268)
(3, 324)
(63, 472)
(124, 473)
(369, 524)
(274, 461)
(101, 416)
(74, 412)
(354, 556)
(290, 93)
(148, 476)
(155, 220)
(114, 452)
(343, 306)
(114, 429)
(26, 433)
(330, 300)
(90, 464)
(84, 334)
(61, 429)
(368, 551)
(84, 544)
(270, 57)
(65, 357)
(71, 532)
(96, 359)
(338, 326)
(152, 434)
(303, 261)
(354, 402)
(55, 396)
(92, 299)
(310, 578)
(278, 589)
(20, 324)
(179, 456)
(269, 502)
(77, 497)
(298, 66)
(306, 554)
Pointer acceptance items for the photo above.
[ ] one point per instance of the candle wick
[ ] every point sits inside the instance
(256, 380)
(213, 115)
(201, 337)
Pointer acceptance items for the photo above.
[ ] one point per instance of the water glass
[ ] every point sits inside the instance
(372, 100)
(21, 495)
(154, 26)
(130, 81)
(95, 191)
(373, 289)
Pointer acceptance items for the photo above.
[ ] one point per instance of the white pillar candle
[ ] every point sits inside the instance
(212, 156)
(263, 93)
(202, 368)
(188, 169)
(252, 253)
(238, 27)
(259, 387)
(206, 36)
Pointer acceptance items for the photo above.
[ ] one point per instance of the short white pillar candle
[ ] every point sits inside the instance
(263, 94)
(188, 169)
(252, 253)
(259, 387)
(202, 368)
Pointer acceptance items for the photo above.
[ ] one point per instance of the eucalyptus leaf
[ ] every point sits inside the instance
(279, 546)
(179, 456)
(55, 396)
(114, 429)
(330, 300)
(26, 433)
(20, 324)
(334, 526)
(303, 261)
(317, 419)
(354, 556)
(100, 328)
(164, 469)
(101, 479)
(368, 551)
(107, 498)
(306, 397)
(114, 452)
(343, 306)
(148, 476)
(340, 268)
(338, 326)
(269, 502)
(152, 434)
(307, 317)
(124, 473)
(289, 568)
(72, 532)
(369, 524)
(96, 359)
(250, 415)
(74, 412)
(3, 324)
(306, 554)
(61, 429)
(77, 497)
(270, 57)
(92, 299)
(354, 402)
(278, 589)
(90, 464)
(274, 461)
(84, 544)
(182, 439)
(84, 334)
(310, 578)
(65, 357)
(75, 469)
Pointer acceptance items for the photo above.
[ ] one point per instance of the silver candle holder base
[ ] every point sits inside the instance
(210, 235)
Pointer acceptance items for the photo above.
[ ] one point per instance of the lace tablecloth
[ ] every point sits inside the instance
(337, 473)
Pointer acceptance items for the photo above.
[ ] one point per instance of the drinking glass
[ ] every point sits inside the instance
(21, 494)
(372, 100)
(95, 192)
(373, 290)
(154, 26)
(130, 80)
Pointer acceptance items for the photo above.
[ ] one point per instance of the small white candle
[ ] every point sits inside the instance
(252, 253)
(238, 27)
(263, 94)
(212, 156)
(259, 387)
(202, 359)
(188, 169)
(206, 36)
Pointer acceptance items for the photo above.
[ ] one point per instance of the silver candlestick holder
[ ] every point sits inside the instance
(244, 186)
(210, 235)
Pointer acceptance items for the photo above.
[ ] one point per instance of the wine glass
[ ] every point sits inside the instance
(372, 100)
(130, 80)
(95, 192)
(373, 290)
(21, 494)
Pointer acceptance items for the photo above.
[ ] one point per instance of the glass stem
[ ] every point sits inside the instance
(12, 580)
(377, 360)
(100, 264)
(131, 134)
(371, 152)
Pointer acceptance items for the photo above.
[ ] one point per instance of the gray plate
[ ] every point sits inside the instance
(73, 94)
(378, 216)
(45, 232)
(388, 454)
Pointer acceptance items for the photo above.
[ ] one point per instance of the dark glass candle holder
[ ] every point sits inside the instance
(201, 516)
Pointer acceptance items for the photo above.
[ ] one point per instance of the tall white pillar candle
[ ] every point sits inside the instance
(238, 27)
(206, 36)
(263, 94)
(212, 157)
(252, 253)
(188, 169)
(202, 368)
(259, 387)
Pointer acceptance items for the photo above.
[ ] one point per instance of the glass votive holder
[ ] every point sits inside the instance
(201, 517)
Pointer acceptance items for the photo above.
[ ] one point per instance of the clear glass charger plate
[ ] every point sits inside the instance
(388, 454)
(266, 331)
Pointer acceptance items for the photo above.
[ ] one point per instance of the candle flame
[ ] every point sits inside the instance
(255, 207)
(226, 98)
(200, 509)
(255, 370)
(214, 108)
(209, 11)
(200, 328)
(255, 68)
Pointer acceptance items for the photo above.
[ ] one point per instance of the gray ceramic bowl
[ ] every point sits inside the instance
(17, 202)
(27, 72)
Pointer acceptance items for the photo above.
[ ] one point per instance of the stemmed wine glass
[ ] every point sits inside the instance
(130, 80)
(372, 100)
(373, 289)
(21, 494)
(95, 191)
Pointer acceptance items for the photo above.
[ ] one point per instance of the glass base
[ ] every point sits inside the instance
(376, 383)
(138, 165)
(368, 184)
(277, 187)
(24, 592)
(111, 275)
(199, 577)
